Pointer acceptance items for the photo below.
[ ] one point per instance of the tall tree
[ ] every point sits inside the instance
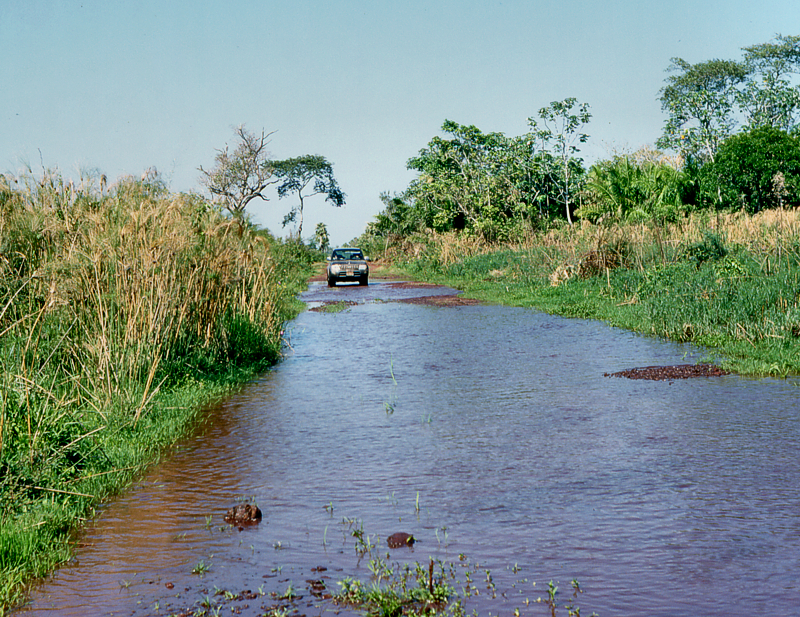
(769, 98)
(700, 102)
(294, 177)
(560, 133)
(466, 180)
(240, 176)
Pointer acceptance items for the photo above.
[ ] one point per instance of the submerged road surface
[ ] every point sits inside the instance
(489, 433)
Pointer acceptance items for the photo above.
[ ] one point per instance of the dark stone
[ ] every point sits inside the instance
(243, 514)
(396, 540)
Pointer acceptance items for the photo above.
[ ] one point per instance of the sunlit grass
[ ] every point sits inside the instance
(729, 282)
(122, 311)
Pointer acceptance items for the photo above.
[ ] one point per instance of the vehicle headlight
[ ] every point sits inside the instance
(335, 268)
(362, 266)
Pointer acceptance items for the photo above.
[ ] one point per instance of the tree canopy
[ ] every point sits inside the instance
(490, 184)
(699, 101)
(240, 176)
(709, 101)
(244, 174)
(755, 170)
(294, 177)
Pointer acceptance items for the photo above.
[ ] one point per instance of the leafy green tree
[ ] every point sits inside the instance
(700, 102)
(769, 98)
(465, 181)
(559, 133)
(754, 170)
(240, 176)
(312, 172)
(397, 218)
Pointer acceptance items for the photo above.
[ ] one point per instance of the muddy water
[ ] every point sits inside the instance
(485, 431)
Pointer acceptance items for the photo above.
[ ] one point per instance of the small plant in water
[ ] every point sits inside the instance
(290, 593)
(201, 568)
(392, 402)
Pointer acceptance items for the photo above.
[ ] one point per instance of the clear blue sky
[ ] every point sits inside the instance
(122, 86)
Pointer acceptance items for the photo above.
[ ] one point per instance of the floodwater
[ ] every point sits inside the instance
(489, 433)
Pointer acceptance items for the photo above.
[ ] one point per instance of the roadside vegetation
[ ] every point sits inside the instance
(698, 241)
(123, 310)
(729, 282)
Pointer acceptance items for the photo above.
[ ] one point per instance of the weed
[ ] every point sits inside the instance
(389, 406)
(201, 568)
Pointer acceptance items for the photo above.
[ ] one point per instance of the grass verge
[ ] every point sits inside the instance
(727, 282)
(122, 312)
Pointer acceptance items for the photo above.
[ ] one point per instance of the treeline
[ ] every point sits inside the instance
(730, 142)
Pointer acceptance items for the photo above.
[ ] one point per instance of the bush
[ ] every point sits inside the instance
(754, 171)
(629, 188)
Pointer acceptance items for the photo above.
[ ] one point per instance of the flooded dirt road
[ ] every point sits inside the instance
(487, 432)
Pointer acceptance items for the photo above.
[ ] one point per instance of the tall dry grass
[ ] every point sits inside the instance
(772, 234)
(111, 298)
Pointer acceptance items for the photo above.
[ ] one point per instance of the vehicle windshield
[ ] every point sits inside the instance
(347, 254)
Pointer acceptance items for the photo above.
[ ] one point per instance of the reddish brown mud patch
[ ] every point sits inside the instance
(396, 540)
(663, 373)
(441, 301)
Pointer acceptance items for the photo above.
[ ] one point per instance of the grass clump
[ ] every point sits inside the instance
(122, 309)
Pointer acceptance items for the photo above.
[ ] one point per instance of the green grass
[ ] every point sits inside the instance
(122, 313)
(740, 300)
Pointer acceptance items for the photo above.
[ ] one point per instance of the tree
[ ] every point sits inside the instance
(397, 218)
(700, 102)
(295, 175)
(460, 177)
(769, 98)
(321, 238)
(755, 170)
(560, 134)
(239, 177)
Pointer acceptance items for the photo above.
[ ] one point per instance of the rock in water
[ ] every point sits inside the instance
(243, 514)
(396, 540)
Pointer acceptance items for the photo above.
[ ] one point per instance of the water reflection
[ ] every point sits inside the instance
(497, 423)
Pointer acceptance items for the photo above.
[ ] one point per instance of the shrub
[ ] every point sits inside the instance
(754, 171)
(629, 188)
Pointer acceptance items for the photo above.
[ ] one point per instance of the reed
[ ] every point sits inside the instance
(121, 310)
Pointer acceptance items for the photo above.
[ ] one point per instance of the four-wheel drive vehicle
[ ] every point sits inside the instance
(348, 264)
